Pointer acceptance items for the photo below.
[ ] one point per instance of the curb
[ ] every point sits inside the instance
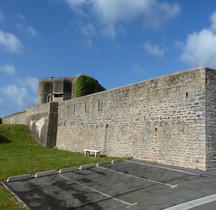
(45, 173)
(9, 190)
(19, 178)
(67, 170)
(117, 161)
(103, 164)
(86, 166)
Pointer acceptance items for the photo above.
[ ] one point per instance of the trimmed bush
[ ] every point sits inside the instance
(85, 85)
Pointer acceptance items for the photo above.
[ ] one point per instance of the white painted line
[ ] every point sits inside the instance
(45, 173)
(86, 166)
(19, 178)
(183, 206)
(171, 169)
(104, 194)
(140, 178)
(193, 203)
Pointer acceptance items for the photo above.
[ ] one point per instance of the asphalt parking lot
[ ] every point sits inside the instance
(129, 184)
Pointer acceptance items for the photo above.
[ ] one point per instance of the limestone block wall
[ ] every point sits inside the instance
(211, 118)
(169, 120)
(160, 120)
(42, 121)
(17, 118)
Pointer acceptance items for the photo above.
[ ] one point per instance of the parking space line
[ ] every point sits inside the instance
(193, 203)
(140, 178)
(171, 169)
(128, 205)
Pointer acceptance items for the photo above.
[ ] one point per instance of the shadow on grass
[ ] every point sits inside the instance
(4, 140)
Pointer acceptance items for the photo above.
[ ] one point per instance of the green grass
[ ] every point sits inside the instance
(21, 154)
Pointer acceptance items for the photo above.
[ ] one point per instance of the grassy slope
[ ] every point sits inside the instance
(20, 154)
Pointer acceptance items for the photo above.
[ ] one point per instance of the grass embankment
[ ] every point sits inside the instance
(21, 154)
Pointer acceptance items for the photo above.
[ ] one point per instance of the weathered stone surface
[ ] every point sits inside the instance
(160, 120)
(42, 121)
(168, 120)
(17, 118)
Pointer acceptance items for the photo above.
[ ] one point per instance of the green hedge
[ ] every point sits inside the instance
(85, 85)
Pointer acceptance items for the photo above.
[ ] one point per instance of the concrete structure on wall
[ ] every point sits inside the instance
(55, 90)
(60, 89)
(168, 120)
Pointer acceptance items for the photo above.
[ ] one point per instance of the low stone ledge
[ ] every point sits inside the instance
(87, 166)
(103, 164)
(67, 170)
(45, 173)
(19, 178)
(117, 161)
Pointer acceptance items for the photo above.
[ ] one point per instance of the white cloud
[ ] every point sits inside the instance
(10, 42)
(88, 30)
(15, 93)
(8, 69)
(28, 29)
(20, 17)
(75, 3)
(31, 31)
(153, 49)
(19, 95)
(87, 43)
(2, 16)
(179, 45)
(158, 13)
(110, 13)
(137, 69)
(213, 21)
(23, 93)
(31, 82)
(23, 26)
(200, 47)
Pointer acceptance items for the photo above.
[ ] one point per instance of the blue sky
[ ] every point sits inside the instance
(118, 42)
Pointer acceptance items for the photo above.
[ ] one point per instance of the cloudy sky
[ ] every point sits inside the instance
(118, 42)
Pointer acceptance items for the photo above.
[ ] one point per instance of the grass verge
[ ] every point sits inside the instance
(21, 154)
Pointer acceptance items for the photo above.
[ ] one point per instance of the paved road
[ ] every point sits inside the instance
(122, 185)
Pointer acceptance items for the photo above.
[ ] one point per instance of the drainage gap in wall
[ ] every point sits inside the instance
(85, 107)
(187, 95)
(99, 105)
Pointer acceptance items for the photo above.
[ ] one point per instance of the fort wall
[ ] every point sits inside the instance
(210, 114)
(169, 120)
(17, 118)
(160, 120)
(42, 121)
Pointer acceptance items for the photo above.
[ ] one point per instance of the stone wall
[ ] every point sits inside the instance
(42, 121)
(160, 120)
(17, 118)
(210, 98)
(168, 120)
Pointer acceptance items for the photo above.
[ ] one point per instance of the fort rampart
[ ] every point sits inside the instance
(168, 120)
(17, 118)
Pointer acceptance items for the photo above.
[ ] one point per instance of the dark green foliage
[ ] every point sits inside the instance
(85, 85)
